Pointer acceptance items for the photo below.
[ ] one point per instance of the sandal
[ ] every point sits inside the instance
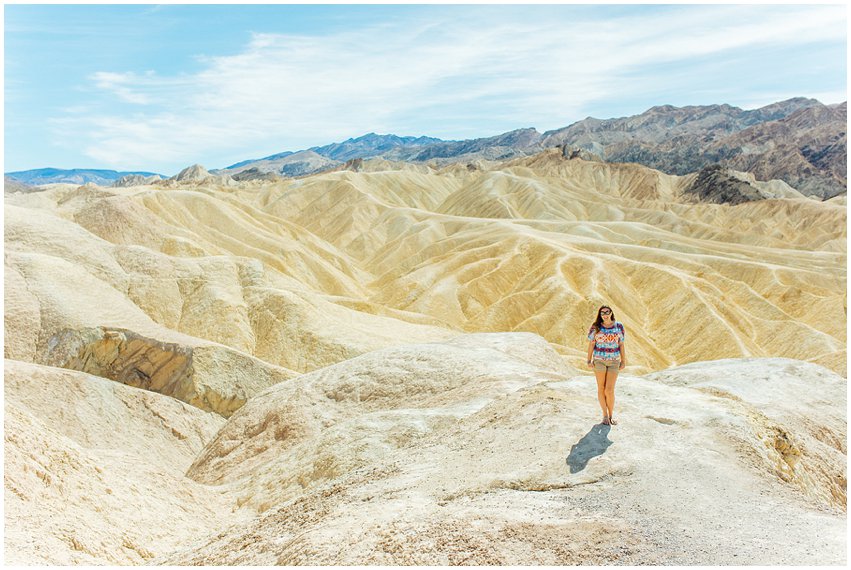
(605, 421)
(612, 421)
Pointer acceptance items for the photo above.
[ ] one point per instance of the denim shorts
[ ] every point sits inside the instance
(606, 365)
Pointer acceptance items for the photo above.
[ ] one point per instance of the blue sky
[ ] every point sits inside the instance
(159, 87)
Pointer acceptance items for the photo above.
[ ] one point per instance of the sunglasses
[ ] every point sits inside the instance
(605, 312)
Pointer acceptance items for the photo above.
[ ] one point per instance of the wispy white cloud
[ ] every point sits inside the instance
(442, 77)
(122, 86)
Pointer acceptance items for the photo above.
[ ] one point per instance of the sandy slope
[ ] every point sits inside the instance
(94, 469)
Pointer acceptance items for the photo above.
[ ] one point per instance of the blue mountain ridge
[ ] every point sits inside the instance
(40, 176)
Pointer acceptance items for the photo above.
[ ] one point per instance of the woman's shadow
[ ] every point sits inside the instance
(592, 444)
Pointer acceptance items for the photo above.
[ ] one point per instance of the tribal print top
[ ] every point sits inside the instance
(607, 341)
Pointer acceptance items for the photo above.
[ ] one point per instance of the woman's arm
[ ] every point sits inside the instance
(622, 348)
(590, 358)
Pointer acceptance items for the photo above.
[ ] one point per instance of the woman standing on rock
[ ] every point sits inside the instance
(607, 356)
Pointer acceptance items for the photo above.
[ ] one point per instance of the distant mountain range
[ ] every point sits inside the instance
(800, 141)
(41, 176)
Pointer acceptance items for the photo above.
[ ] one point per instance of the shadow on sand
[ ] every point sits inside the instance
(592, 444)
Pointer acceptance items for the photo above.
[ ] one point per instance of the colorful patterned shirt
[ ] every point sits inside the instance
(607, 341)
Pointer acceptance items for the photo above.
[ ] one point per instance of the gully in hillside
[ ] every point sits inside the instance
(607, 356)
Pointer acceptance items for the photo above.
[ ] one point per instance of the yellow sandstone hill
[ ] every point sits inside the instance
(539, 243)
(386, 366)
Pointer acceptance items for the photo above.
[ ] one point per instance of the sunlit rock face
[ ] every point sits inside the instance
(384, 364)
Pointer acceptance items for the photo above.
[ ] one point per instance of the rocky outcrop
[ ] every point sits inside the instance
(355, 165)
(194, 173)
(125, 357)
(718, 185)
(197, 174)
(136, 180)
(254, 174)
(573, 152)
(211, 378)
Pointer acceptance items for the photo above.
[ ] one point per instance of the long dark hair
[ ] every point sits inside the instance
(598, 324)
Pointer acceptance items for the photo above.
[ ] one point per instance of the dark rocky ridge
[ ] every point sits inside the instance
(799, 141)
(254, 174)
(807, 149)
(718, 185)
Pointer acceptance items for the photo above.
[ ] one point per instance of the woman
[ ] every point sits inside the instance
(606, 355)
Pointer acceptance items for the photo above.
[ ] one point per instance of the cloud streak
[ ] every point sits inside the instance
(447, 77)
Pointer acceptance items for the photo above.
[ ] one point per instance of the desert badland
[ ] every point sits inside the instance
(384, 363)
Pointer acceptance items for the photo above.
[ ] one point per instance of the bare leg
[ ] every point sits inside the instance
(601, 383)
(609, 393)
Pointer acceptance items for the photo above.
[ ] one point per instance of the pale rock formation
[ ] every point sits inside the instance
(94, 469)
(130, 180)
(197, 174)
(194, 173)
(794, 410)
(487, 450)
(356, 396)
(210, 377)
(771, 188)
